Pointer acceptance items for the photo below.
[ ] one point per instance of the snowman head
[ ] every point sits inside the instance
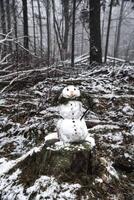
(70, 92)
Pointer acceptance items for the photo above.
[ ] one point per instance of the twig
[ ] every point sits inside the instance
(2, 62)
(84, 113)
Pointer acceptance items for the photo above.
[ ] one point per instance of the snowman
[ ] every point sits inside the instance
(71, 127)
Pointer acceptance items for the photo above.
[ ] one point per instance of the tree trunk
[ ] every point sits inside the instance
(108, 30)
(66, 28)
(8, 22)
(3, 24)
(14, 11)
(48, 32)
(34, 34)
(95, 32)
(119, 30)
(40, 27)
(55, 29)
(64, 164)
(103, 21)
(25, 24)
(82, 39)
(73, 33)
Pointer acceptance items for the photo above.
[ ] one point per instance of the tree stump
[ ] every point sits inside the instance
(70, 162)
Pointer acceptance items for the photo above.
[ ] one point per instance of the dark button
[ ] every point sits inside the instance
(73, 121)
(75, 129)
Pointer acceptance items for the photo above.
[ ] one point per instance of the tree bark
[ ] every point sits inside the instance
(55, 29)
(3, 24)
(119, 30)
(25, 24)
(66, 28)
(40, 27)
(48, 32)
(95, 32)
(14, 11)
(2, 13)
(8, 22)
(73, 33)
(108, 30)
(63, 33)
(34, 34)
(62, 164)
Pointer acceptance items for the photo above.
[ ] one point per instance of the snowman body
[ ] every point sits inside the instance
(71, 128)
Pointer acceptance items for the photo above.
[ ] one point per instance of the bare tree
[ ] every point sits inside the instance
(73, 33)
(15, 23)
(119, 30)
(95, 32)
(40, 27)
(48, 31)
(66, 17)
(34, 34)
(3, 22)
(108, 30)
(25, 24)
(56, 29)
(103, 18)
(8, 8)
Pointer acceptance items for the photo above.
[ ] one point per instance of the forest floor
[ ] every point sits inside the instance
(25, 121)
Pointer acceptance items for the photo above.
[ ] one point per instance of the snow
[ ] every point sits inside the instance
(7, 165)
(71, 127)
(99, 83)
(44, 187)
(8, 187)
(105, 127)
(51, 109)
(38, 92)
(98, 180)
(112, 170)
(111, 95)
(90, 140)
(60, 145)
(17, 143)
(65, 111)
(53, 190)
(51, 136)
(127, 109)
(116, 137)
(2, 101)
(127, 155)
(132, 129)
(70, 133)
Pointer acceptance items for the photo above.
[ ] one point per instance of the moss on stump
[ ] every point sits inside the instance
(66, 163)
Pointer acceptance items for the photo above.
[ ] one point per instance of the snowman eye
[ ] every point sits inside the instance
(67, 89)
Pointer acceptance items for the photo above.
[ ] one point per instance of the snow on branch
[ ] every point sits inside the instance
(4, 61)
(6, 37)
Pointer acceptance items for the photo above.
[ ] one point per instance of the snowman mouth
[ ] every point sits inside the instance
(71, 96)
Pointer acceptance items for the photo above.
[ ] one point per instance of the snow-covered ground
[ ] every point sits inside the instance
(25, 121)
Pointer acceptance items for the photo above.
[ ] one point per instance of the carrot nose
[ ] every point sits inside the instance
(71, 93)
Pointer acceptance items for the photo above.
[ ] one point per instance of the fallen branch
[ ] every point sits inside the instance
(4, 60)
